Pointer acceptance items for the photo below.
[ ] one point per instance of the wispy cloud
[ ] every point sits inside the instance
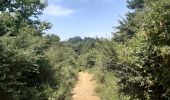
(58, 11)
(86, 1)
(101, 1)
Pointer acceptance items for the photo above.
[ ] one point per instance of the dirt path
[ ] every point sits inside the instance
(85, 88)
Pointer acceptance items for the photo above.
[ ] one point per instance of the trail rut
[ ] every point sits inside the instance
(85, 88)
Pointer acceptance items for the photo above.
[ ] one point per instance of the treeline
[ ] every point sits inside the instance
(33, 66)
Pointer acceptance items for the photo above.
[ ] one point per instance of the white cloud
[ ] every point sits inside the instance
(102, 1)
(85, 1)
(59, 11)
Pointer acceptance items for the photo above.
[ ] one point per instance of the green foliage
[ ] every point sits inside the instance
(64, 63)
(156, 21)
(109, 89)
(129, 26)
(26, 8)
(22, 59)
(20, 17)
(107, 58)
(143, 60)
(135, 4)
(81, 46)
(53, 39)
(88, 60)
(105, 61)
(126, 28)
(32, 66)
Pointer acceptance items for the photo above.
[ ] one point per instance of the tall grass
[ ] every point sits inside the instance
(107, 85)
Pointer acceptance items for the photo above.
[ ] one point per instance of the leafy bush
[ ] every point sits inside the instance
(21, 67)
(142, 61)
(63, 61)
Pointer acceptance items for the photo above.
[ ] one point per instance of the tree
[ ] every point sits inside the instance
(81, 46)
(25, 8)
(135, 4)
(22, 15)
(129, 26)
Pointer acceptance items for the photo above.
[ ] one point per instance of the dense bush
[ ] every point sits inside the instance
(63, 60)
(33, 66)
(22, 66)
(143, 60)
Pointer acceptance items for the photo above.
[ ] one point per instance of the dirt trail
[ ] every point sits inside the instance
(85, 88)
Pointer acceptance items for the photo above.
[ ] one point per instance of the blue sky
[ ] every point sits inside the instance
(85, 18)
